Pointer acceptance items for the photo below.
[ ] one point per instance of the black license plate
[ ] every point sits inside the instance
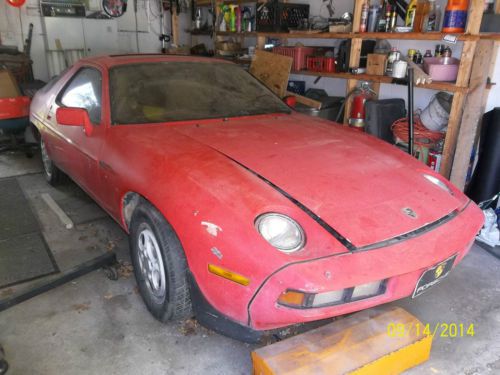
(433, 275)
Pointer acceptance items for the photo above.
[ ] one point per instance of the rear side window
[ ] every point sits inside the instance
(84, 91)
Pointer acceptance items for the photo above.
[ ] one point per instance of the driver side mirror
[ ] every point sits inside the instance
(74, 117)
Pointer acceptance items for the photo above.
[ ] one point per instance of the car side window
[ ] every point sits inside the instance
(84, 91)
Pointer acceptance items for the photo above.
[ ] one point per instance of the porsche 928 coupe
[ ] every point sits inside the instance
(240, 210)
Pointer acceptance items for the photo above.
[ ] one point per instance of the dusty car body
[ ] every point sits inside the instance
(373, 224)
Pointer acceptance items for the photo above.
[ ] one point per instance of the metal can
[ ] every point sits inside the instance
(434, 160)
(446, 52)
(399, 69)
(364, 18)
(437, 51)
(373, 17)
(417, 58)
(393, 56)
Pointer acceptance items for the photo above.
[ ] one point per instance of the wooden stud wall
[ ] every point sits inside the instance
(472, 116)
(475, 16)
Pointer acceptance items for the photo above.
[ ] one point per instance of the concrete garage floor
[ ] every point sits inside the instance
(97, 326)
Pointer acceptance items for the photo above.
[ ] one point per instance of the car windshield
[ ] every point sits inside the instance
(177, 91)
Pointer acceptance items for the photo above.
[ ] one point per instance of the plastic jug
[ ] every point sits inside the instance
(455, 16)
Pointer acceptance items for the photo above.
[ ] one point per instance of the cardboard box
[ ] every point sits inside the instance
(8, 85)
(340, 28)
(376, 64)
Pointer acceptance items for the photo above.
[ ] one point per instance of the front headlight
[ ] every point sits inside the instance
(281, 232)
(436, 181)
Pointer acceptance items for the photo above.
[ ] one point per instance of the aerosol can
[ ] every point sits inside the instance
(232, 19)
(197, 19)
(224, 18)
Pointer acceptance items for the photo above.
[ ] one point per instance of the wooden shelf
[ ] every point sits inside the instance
(233, 33)
(199, 32)
(305, 35)
(209, 2)
(401, 36)
(412, 36)
(490, 36)
(441, 86)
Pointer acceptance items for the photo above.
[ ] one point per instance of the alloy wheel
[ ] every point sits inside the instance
(151, 264)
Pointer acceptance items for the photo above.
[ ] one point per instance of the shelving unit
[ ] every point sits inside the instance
(318, 35)
(468, 89)
(442, 86)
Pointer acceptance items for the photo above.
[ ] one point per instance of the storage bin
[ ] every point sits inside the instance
(315, 63)
(438, 71)
(298, 54)
(321, 64)
(280, 17)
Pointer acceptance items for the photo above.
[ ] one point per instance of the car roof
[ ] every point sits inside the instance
(113, 60)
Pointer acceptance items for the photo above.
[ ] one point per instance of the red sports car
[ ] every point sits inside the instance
(240, 210)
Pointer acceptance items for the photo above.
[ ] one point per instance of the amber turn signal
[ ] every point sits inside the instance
(230, 275)
(292, 298)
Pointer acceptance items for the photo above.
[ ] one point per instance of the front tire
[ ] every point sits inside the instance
(160, 266)
(52, 174)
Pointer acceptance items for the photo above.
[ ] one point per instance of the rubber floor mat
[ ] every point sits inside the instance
(16, 217)
(24, 255)
(79, 206)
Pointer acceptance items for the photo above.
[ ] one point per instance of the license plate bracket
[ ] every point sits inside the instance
(433, 275)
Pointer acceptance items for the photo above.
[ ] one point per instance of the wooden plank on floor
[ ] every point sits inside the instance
(452, 133)
(363, 343)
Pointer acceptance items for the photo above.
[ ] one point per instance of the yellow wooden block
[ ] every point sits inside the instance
(363, 343)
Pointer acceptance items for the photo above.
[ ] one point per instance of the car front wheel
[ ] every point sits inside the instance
(160, 266)
(52, 173)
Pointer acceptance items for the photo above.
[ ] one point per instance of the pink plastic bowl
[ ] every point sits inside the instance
(438, 71)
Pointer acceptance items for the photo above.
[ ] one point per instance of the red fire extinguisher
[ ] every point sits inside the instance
(360, 96)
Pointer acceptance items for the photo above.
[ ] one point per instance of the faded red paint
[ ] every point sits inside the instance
(354, 182)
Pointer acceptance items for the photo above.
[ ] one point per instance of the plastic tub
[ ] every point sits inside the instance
(298, 54)
(438, 71)
(321, 64)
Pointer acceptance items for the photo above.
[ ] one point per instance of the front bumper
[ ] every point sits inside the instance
(400, 264)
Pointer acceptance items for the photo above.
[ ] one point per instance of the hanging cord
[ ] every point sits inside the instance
(422, 135)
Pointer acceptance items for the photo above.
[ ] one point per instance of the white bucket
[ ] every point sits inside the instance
(435, 116)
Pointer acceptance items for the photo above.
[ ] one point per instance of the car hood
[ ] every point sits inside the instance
(361, 187)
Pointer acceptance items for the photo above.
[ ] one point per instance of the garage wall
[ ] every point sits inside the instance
(101, 36)
(494, 95)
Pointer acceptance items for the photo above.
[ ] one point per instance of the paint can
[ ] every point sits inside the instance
(435, 116)
(434, 160)
(399, 69)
